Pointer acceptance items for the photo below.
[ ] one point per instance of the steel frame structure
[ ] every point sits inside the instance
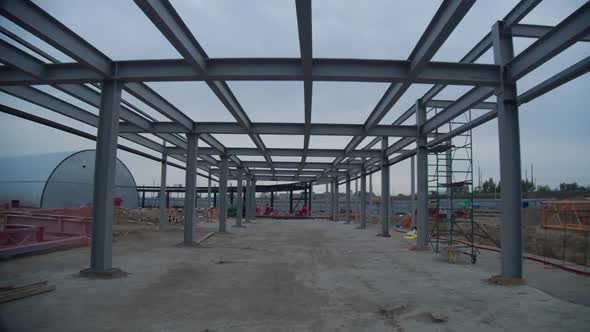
(99, 81)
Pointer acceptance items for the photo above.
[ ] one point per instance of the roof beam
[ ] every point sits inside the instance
(567, 75)
(151, 98)
(166, 19)
(472, 97)
(566, 33)
(278, 152)
(264, 128)
(304, 27)
(536, 31)
(38, 22)
(235, 69)
(513, 17)
(446, 19)
(57, 105)
(440, 27)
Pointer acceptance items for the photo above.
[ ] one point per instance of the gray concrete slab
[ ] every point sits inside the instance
(277, 275)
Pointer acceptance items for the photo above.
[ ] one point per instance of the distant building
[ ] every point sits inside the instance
(59, 180)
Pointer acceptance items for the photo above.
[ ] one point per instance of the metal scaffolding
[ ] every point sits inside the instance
(451, 191)
(99, 81)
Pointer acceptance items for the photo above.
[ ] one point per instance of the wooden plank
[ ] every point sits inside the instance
(16, 293)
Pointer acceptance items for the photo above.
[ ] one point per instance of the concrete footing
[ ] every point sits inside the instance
(187, 244)
(113, 273)
(506, 281)
(420, 248)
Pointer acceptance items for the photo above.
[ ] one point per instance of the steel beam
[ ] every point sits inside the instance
(166, 19)
(190, 188)
(440, 27)
(262, 128)
(38, 22)
(84, 93)
(304, 25)
(104, 178)
(535, 31)
(153, 99)
(474, 96)
(235, 69)
(569, 74)
(513, 17)
(569, 31)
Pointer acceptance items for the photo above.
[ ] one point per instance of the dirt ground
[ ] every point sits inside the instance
(283, 275)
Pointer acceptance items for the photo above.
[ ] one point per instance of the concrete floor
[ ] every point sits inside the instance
(289, 275)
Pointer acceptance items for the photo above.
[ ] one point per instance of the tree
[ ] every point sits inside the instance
(570, 186)
(527, 186)
(489, 186)
(544, 188)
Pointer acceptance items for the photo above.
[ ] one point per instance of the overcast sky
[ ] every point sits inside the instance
(555, 128)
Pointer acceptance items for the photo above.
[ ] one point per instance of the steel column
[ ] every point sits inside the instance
(291, 201)
(413, 191)
(223, 194)
(510, 173)
(348, 203)
(336, 206)
(310, 199)
(371, 197)
(240, 194)
(163, 211)
(248, 198)
(357, 205)
(384, 188)
(104, 177)
(253, 198)
(422, 182)
(363, 195)
(190, 187)
(209, 188)
(272, 199)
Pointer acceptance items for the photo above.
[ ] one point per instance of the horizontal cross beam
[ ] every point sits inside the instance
(237, 69)
(262, 128)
